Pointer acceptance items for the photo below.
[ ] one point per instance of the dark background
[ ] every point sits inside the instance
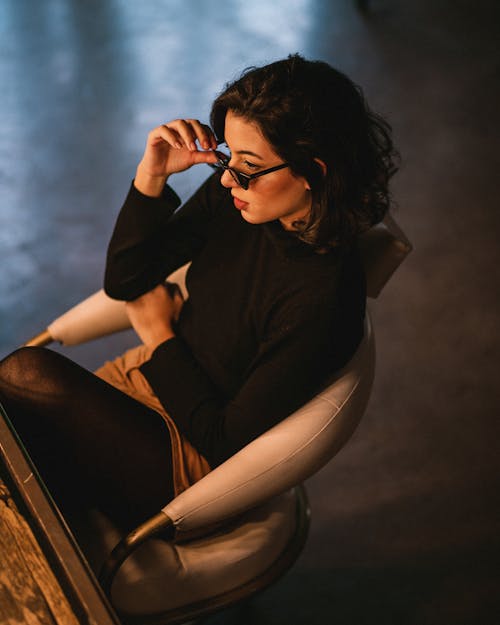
(405, 525)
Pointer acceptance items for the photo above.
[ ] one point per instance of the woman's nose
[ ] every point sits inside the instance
(227, 180)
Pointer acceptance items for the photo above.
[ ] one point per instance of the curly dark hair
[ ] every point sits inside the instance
(308, 110)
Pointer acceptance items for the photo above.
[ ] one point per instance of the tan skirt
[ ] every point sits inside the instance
(188, 465)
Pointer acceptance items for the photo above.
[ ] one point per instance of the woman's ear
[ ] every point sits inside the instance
(322, 166)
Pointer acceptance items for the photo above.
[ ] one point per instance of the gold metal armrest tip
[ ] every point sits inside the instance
(153, 526)
(40, 340)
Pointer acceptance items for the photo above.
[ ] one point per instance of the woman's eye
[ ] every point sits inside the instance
(250, 165)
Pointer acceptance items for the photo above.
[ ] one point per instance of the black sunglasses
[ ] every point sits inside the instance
(239, 177)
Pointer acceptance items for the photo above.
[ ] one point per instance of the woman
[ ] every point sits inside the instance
(276, 290)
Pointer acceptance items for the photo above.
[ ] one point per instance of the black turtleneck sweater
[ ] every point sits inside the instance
(267, 320)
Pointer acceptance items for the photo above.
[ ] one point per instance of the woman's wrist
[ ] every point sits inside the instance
(154, 339)
(157, 340)
(148, 184)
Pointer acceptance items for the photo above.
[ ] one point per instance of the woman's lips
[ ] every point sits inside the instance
(240, 205)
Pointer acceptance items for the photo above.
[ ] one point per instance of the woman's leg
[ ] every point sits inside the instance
(92, 444)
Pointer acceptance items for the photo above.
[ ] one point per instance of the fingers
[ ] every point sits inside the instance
(172, 148)
(186, 133)
(204, 135)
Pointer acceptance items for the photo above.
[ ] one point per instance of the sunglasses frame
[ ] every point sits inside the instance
(243, 180)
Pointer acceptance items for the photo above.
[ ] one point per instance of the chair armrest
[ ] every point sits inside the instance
(285, 455)
(95, 317)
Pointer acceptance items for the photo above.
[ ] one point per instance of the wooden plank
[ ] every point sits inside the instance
(29, 591)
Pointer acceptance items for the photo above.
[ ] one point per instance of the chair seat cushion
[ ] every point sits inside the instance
(163, 576)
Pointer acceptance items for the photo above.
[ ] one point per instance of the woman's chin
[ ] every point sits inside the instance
(251, 218)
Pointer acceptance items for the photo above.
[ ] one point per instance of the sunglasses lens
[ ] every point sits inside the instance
(234, 176)
(243, 182)
(224, 165)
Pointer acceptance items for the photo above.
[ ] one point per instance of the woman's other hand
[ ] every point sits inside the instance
(154, 314)
(171, 148)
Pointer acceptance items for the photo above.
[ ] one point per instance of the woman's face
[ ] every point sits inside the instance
(278, 195)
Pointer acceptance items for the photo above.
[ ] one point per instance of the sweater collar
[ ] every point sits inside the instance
(285, 241)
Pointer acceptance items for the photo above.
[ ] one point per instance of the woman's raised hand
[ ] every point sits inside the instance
(172, 148)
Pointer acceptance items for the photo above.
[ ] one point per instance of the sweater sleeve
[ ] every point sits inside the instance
(288, 369)
(151, 239)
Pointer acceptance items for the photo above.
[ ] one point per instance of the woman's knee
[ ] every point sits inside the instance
(26, 368)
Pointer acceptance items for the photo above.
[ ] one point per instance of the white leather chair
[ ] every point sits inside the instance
(244, 524)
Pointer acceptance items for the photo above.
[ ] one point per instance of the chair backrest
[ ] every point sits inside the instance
(383, 248)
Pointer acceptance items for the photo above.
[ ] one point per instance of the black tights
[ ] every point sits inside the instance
(93, 445)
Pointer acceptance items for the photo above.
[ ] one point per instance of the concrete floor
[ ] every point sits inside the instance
(406, 520)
